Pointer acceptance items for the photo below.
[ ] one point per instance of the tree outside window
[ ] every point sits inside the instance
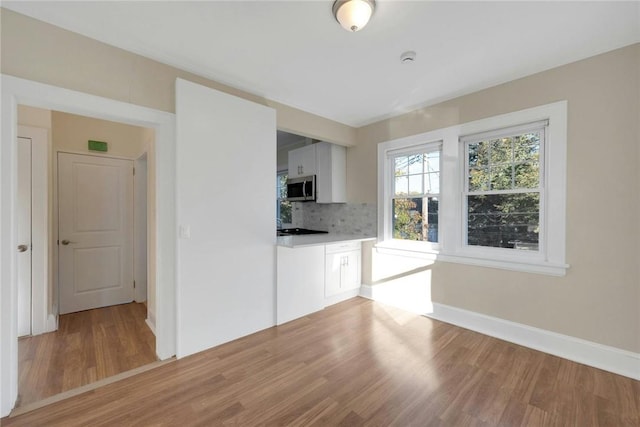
(283, 207)
(415, 196)
(503, 191)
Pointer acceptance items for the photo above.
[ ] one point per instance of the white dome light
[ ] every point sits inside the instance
(353, 15)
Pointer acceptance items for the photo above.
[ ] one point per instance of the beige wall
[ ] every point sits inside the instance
(41, 52)
(72, 133)
(599, 299)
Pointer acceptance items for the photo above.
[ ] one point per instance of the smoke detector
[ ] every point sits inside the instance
(408, 57)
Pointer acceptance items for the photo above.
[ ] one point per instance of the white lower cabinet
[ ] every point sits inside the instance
(309, 278)
(342, 268)
(300, 281)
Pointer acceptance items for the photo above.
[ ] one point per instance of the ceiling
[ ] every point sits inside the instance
(294, 52)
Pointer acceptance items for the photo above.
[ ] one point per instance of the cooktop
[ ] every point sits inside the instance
(298, 231)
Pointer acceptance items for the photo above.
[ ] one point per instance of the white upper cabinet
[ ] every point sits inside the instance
(302, 161)
(329, 163)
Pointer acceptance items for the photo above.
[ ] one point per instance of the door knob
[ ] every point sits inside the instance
(22, 248)
(66, 242)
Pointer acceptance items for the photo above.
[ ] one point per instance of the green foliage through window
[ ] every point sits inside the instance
(283, 207)
(415, 196)
(503, 191)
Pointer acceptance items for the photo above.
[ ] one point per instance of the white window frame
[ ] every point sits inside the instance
(481, 251)
(549, 259)
(391, 154)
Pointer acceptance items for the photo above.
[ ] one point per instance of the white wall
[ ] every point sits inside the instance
(225, 193)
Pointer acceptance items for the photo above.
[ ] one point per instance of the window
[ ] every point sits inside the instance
(283, 207)
(490, 192)
(414, 200)
(503, 189)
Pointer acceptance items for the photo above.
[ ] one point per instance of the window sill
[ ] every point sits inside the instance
(417, 250)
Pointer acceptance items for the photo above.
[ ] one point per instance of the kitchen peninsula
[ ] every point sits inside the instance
(315, 271)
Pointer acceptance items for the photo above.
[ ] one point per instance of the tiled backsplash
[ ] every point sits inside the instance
(343, 218)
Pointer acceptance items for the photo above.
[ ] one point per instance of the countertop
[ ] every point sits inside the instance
(319, 239)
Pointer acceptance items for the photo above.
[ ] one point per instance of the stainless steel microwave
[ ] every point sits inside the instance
(301, 189)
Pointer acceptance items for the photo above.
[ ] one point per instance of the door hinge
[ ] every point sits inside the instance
(134, 284)
(58, 242)
(134, 171)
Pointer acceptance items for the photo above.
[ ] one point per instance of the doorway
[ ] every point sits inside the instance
(102, 332)
(20, 91)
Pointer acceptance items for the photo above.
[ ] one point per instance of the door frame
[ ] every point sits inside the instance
(41, 320)
(26, 92)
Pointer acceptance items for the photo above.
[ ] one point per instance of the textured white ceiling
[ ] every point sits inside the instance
(294, 52)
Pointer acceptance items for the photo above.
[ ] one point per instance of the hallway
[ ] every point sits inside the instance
(88, 346)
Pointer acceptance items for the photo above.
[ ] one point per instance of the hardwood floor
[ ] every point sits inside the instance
(357, 363)
(88, 346)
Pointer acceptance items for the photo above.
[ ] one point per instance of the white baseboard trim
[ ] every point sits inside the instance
(366, 292)
(599, 356)
(335, 299)
(607, 358)
(150, 325)
(51, 323)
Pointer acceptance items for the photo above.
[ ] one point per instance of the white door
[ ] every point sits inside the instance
(95, 231)
(24, 236)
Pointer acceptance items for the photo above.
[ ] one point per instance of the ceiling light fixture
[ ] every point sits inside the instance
(353, 15)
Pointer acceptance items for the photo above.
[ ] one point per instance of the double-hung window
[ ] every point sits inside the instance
(415, 198)
(503, 188)
(491, 192)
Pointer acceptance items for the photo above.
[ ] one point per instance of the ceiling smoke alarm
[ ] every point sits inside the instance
(408, 57)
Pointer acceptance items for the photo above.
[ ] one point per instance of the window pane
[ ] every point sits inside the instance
(504, 221)
(281, 186)
(416, 219)
(478, 179)
(501, 177)
(432, 219)
(415, 163)
(432, 183)
(527, 175)
(501, 151)
(401, 167)
(432, 162)
(527, 147)
(415, 185)
(402, 186)
(284, 214)
(478, 154)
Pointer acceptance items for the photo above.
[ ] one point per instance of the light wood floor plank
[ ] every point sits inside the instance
(87, 347)
(357, 363)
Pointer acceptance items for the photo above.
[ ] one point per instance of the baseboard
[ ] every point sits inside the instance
(607, 358)
(51, 323)
(150, 325)
(335, 299)
(599, 356)
(366, 292)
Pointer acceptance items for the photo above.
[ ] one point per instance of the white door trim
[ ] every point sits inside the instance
(20, 91)
(140, 204)
(42, 320)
